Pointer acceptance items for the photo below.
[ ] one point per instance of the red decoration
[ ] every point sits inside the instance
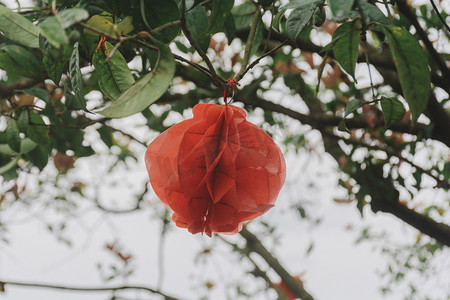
(216, 170)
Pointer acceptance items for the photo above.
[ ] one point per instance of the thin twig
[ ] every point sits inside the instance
(439, 15)
(249, 44)
(87, 289)
(131, 137)
(197, 66)
(165, 26)
(253, 64)
(219, 82)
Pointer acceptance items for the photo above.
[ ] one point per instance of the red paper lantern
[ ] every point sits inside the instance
(216, 170)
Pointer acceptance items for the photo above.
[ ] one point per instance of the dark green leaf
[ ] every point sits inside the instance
(12, 68)
(36, 129)
(243, 14)
(53, 68)
(147, 90)
(75, 78)
(352, 106)
(259, 35)
(221, 10)
(52, 29)
(340, 9)
(298, 19)
(393, 111)
(106, 136)
(38, 157)
(346, 40)
(17, 28)
(197, 23)
(114, 75)
(160, 12)
(13, 135)
(321, 68)
(229, 28)
(411, 62)
(24, 58)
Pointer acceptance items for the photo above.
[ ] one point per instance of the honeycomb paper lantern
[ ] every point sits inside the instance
(216, 170)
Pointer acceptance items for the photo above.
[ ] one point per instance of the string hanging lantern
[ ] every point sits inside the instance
(216, 170)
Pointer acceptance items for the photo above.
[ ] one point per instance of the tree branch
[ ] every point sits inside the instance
(436, 230)
(255, 245)
(87, 289)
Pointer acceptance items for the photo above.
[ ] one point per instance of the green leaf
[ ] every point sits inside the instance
(24, 58)
(126, 25)
(346, 40)
(52, 29)
(411, 62)
(68, 17)
(13, 135)
(341, 9)
(221, 9)
(243, 14)
(106, 136)
(277, 20)
(300, 3)
(259, 35)
(160, 12)
(38, 157)
(101, 23)
(393, 111)
(320, 72)
(371, 13)
(53, 68)
(75, 78)
(197, 23)
(147, 90)
(13, 68)
(9, 166)
(39, 93)
(229, 28)
(352, 106)
(114, 76)
(26, 145)
(18, 29)
(35, 127)
(298, 19)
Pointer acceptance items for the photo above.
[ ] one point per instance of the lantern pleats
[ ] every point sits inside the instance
(216, 170)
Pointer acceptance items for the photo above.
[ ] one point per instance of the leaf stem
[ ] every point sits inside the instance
(249, 44)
